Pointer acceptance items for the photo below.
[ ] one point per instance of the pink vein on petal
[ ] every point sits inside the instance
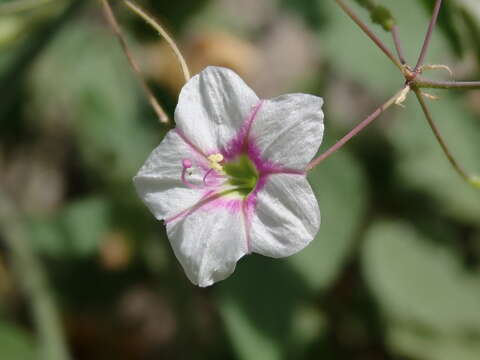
(239, 143)
(211, 201)
(188, 142)
(252, 117)
(282, 170)
(205, 199)
(246, 209)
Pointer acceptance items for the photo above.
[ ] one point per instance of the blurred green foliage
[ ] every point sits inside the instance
(15, 344)
(394, 270)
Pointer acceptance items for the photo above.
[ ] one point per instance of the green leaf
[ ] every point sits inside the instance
(340, 187)
(469, 16)
(266, 303)
(47, 238)
(249, 341)
(358, 58)
(266, 307)
(447, 24)
(77, 231)
(426, 346)
(430, 301)
(422, 165)
(97, 97)
(84, 223)
(15, 344)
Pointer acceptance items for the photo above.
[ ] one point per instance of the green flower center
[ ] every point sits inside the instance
(242, 174)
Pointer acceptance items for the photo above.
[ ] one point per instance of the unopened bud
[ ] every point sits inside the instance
(382, 16)
(475, 181)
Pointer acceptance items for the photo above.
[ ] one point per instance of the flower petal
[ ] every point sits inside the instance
(212, 107)
(289, 129)
(159, 183)
(208, 242)
(286, 216)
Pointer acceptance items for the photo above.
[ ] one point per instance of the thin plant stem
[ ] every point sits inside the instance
(394, 99)
(420, 82)
(428, 36)
(398, 44)
(110, 16)
(458, 168)
(156, 25)
(369, 33)
(33, 282)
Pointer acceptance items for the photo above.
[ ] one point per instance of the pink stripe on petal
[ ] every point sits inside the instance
(188, 142)
(248, 208)
(231, 204)
(282, 170)
(211, 201)
(252, 117)
(209, 196)
(238, 145)
(245, 143)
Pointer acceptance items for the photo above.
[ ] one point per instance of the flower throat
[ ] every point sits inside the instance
(242, 174)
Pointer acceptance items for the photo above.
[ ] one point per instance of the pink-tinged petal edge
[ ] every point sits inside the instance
(242, 143)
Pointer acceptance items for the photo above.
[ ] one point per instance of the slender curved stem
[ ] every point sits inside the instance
(110, 16)
(369, 33)
(32, 280)
(398, 44)
(357, 129)
(156, 25)
(458, 168)
(428, 36)
(421, 82)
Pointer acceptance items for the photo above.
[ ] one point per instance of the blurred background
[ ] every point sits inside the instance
(394, 272)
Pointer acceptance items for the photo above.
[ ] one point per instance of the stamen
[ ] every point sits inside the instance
(206, 175)
(215, 160)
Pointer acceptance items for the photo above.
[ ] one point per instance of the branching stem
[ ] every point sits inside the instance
(414, 81)
(156, 25)
(421, 82)
(428, 36)
(458, 168)
(357, 129)
(110, 16)
(398, 44)
(369, 33)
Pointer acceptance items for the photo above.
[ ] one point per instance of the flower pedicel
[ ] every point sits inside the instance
(230, 179)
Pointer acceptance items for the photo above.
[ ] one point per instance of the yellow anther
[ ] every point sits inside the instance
(215, 160)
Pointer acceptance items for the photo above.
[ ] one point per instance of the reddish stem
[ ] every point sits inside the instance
(421, 82)
(428, 36)
(369, 33)
(458, 168)
(398, 44)
(355, 130)
(110, 16)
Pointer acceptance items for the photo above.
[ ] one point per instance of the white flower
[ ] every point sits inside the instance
(230, 179)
